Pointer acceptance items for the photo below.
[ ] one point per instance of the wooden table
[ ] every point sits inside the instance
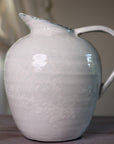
(100, 131)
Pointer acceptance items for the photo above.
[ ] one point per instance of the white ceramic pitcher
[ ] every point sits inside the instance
(53, 80)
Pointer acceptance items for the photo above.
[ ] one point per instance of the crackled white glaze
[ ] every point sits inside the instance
(52, 80)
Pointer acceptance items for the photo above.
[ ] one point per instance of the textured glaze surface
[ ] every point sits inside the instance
(52, 82)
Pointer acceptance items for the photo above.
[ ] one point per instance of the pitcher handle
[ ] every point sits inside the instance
(87, 29)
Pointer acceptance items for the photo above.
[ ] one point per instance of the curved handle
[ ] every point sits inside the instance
(87, 29)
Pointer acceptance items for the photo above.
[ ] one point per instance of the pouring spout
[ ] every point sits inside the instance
(41, 26)
(27, 19)
(34, 22)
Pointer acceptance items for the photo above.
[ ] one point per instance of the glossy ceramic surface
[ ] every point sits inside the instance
(52, 79)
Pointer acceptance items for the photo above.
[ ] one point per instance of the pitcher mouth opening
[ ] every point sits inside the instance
(32, 21)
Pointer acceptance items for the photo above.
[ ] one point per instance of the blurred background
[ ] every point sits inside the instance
(70, 13)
